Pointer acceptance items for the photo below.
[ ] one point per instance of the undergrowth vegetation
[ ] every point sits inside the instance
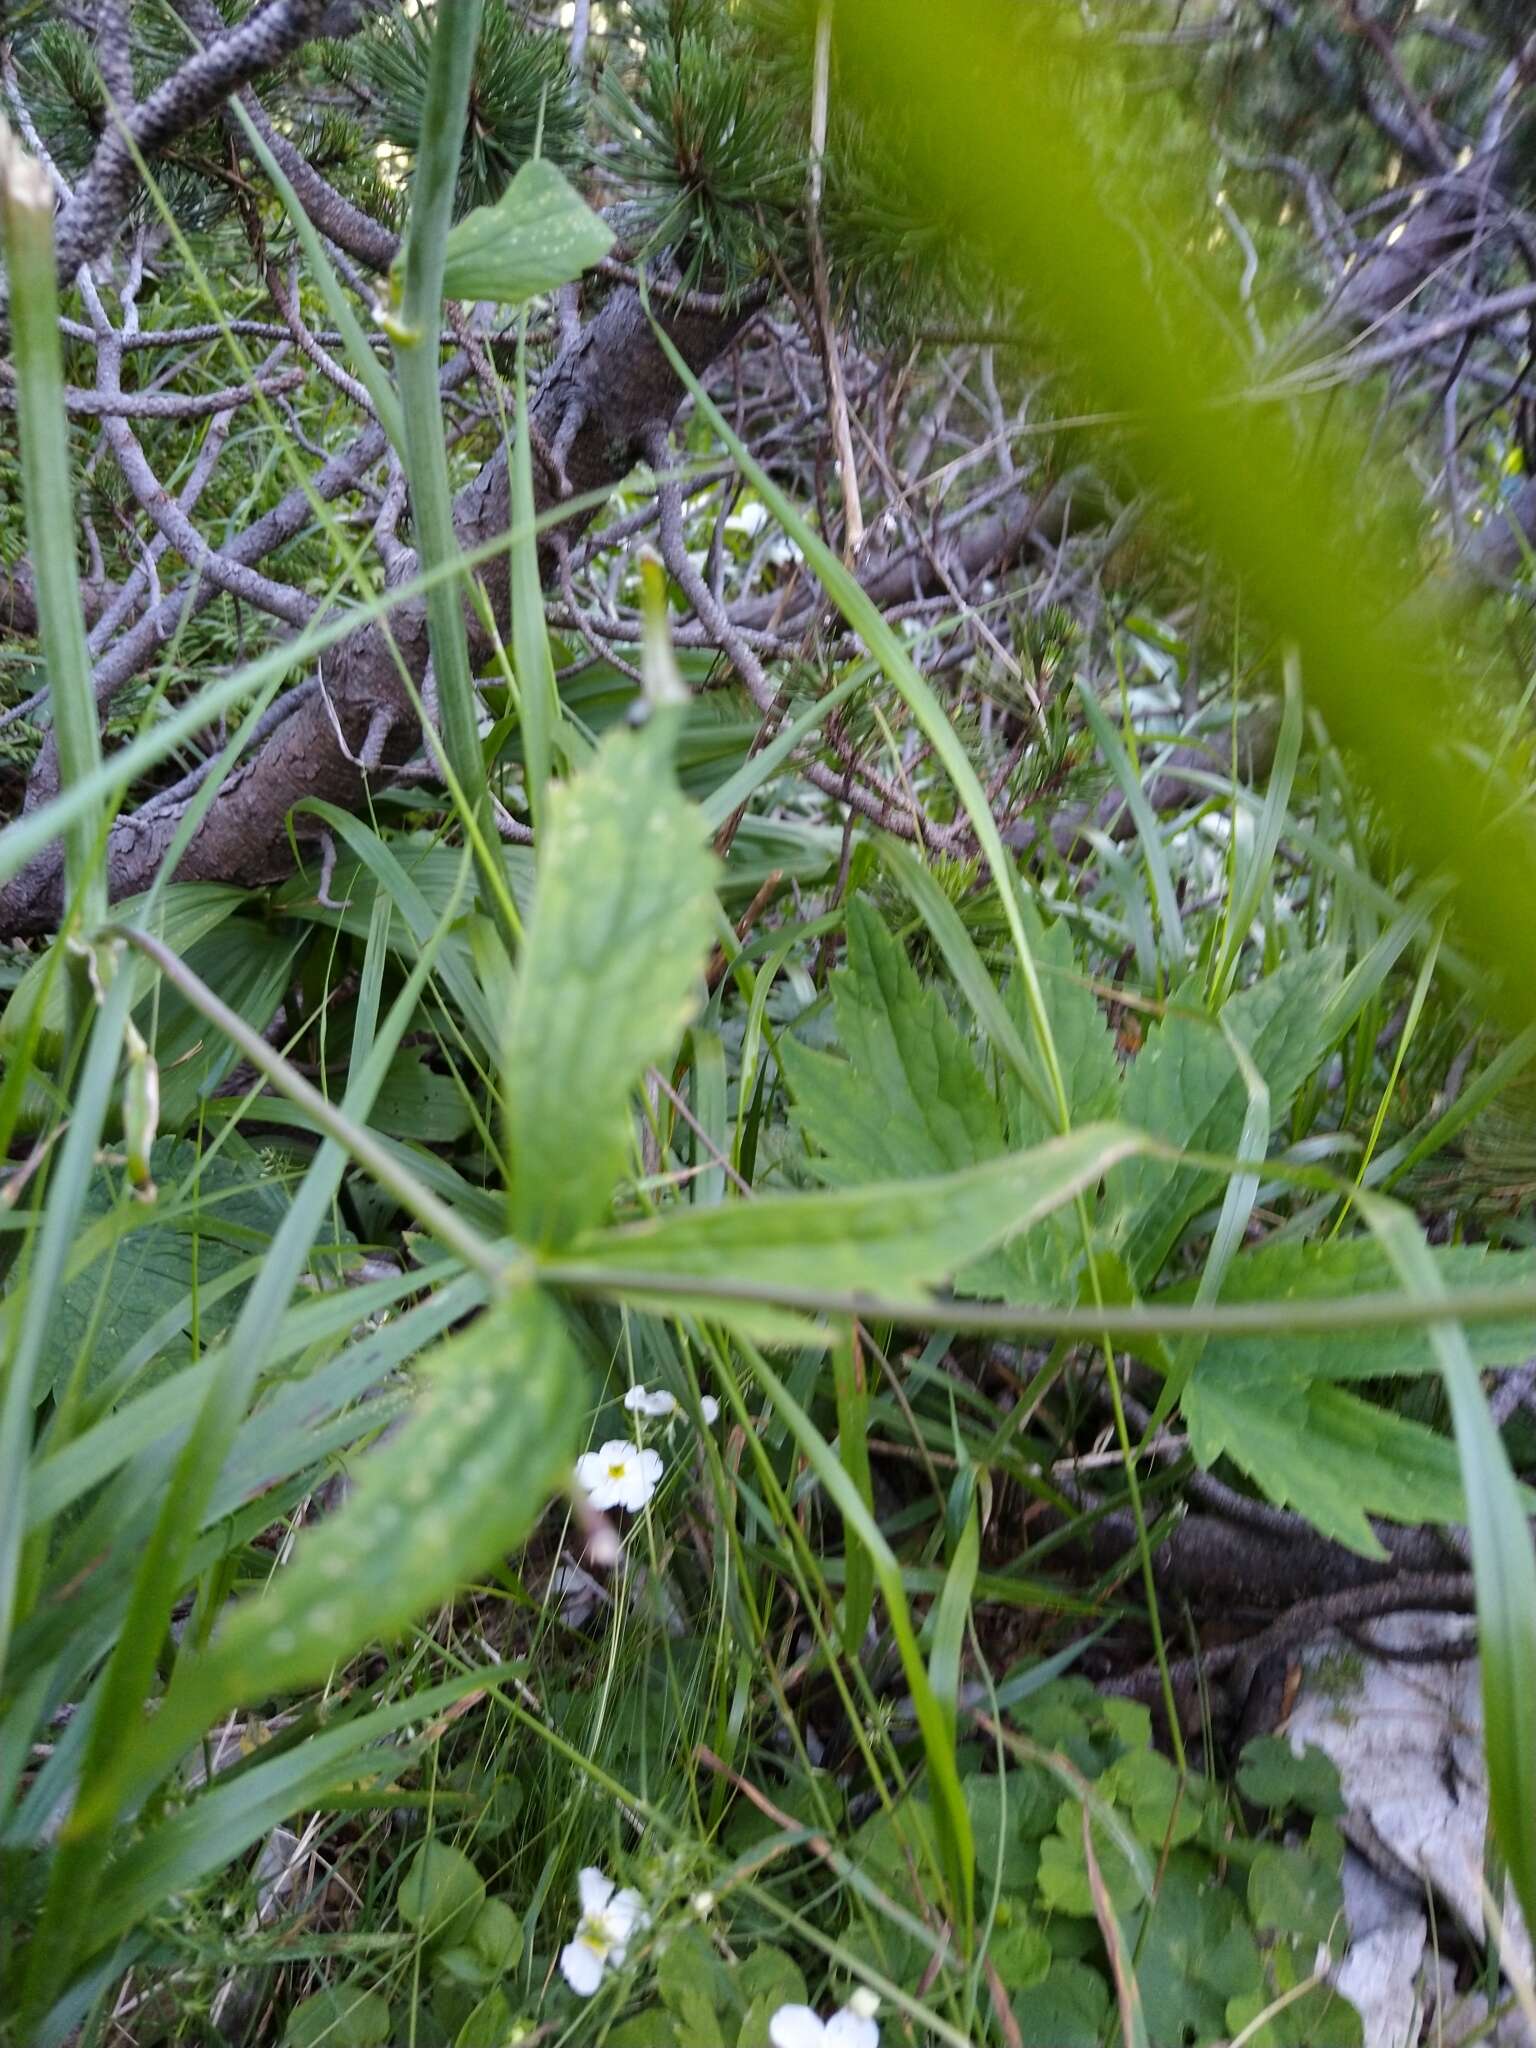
(765, 1058)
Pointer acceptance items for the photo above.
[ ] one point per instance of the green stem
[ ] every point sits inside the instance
(26, 219)
(416, 332)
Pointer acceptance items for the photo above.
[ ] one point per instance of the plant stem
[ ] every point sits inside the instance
(26, 219)
(416, 332)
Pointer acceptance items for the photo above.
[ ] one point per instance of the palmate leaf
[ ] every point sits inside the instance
(493, 1431)
(1334, 1271)
(1185, 1087)
(539, 235)
(1329, 1455)
(909, 1099)
(614, 956)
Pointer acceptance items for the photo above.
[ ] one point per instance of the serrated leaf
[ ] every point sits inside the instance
(767, 1979)
(492, 1433)
(621, 925)
(539, 235)
(1068, 2009)
(1185, 1087)
(1333, 1271)
(1329, 1455)
(891, 1240)
(440, 1893)
(1085, 1045)
(909, 1098)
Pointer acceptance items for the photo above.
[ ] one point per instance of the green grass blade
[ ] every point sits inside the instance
(26, 219)
(1503, 1561)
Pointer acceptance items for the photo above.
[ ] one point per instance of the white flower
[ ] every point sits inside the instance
(620, 1475)
(650, 1401)
(711, 1409)
(798, 2026)
(609, 1920)
(703, 1903)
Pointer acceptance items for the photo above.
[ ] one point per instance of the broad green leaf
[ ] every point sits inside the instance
(539, 235)
(441, 1892)
(167, 1258)
(459, 1485)
(1195, 1953)
(496, 1934)
(1272, 1774)
(909, 1098)
(1185, 1087)
(1329, 1455)
(1333, 1271)
(766, 1979)
(418, 1103)
(1069, 2008)
(889, 1239)
(342, 2016)
(248, 964)
(621, 924)
(1064, 1882)
(489, 2025)
(187, 912)
(1291, 1891)
(1020, 1949)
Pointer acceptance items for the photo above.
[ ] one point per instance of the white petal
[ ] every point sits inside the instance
(650, 1468)
(589, 1470)
(635, 1400)
(617, 1451)
(634, 1490)
(625, 1915)
(594, 1890)
(660, 1403)
(581, 1967)
(710, 1408)
(796, 2026)
(850, 2029)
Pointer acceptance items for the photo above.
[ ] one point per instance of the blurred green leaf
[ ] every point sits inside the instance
(1329, 1455)
(892, 1238)
(440, 1893)
(493, 1432)
(540, 234)
(608, 978)
(1272, 1774)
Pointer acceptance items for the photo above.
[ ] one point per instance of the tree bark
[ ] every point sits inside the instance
(599, 400)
